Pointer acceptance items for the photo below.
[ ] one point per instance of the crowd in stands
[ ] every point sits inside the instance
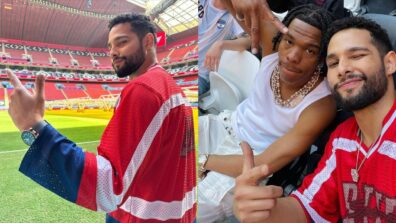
(75, 72)
(178, 60)
(19, 53)
(191, 43)
(183, 69)
(24, 73)
(64, 75)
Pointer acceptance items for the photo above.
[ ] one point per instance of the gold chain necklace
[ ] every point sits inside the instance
(301, 93)
(355, 172)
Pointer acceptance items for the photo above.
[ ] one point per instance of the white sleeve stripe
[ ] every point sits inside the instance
(106, 199)
(384, 129)
(323, 175)
(388, 148)
(148, 137)
(344, 144)
(314, 215)
(160, 210)
(320, 178)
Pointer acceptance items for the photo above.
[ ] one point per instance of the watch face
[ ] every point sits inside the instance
(28, 138)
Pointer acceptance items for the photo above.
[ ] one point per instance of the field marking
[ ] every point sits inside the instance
(82, 143)
(20, 150)
(12, 151)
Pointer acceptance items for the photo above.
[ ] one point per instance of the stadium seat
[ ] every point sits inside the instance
(237, 71)
(223, 95)
(378, 7)
(240, 68)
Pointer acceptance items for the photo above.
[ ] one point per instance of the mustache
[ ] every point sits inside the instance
(289, 67)
(349, 77)
(116, 58)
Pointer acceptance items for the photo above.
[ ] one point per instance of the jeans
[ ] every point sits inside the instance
(203, 86)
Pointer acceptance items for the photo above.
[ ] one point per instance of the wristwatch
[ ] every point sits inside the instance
(28, 136)
(202, 160)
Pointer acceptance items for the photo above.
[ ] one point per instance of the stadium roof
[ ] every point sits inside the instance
(174, 16)
(84, 22)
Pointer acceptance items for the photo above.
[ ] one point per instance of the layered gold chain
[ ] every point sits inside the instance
(300, 94)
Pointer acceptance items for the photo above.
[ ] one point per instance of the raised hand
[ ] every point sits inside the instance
(253, 203)
(26, 108)
(250, 12)
(212, 58)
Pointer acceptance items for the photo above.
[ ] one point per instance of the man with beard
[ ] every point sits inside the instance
(145, 167)
(355, 179)
(278, 119)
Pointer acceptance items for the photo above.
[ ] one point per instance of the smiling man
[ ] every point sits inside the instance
(145, 167)
(279, 119)
(355, 179)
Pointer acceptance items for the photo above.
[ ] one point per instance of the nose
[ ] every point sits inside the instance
(344, 67)
(294, 55)
(113, 52)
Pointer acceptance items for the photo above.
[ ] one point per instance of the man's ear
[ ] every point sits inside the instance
(390, 63)
(148, 41)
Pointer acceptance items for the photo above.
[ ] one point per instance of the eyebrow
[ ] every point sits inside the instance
(309, 44)
(116, 39)
(350, 50)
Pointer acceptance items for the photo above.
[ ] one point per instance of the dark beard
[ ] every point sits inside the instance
(373, 90)
(131, 63)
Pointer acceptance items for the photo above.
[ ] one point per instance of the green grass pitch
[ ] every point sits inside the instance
(21, 199)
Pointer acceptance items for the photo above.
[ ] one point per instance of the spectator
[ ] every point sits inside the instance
(145, 167)
(355, 180)
(216, 26)
(277, 118)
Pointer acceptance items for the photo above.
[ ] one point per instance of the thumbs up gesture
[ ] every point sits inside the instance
(26, 108)
(253, 203)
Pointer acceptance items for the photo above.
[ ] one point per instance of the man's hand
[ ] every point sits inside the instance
(212, 58)
(25, 108)
(253, 203)
(250, 12)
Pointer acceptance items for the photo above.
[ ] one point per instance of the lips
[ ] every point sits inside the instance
(289, 68)
(118, 61)
(349, 83)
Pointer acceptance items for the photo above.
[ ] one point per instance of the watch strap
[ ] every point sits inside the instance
(39, 126)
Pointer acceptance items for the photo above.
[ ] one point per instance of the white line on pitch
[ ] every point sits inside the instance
(20, 150)
(82, 143)
(12, 151)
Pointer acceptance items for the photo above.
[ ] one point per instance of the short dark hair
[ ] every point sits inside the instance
(140, 24)
(312, 15)
(379, 36)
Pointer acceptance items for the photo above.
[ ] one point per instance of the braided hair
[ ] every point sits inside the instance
(312, 15)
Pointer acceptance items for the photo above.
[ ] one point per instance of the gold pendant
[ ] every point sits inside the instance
(355, 175)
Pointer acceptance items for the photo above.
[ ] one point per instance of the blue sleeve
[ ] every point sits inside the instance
(55, 163)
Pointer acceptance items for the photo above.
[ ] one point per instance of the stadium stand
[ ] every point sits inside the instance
(104, 61)
(15, 54)
(162, 55)
(97, 90)
(91, 77)
(77, 87)
(72, 90)
(181, 53)
(52, 93)
(40, 57)
(83, 60)
(2, 93)
(63, 59)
